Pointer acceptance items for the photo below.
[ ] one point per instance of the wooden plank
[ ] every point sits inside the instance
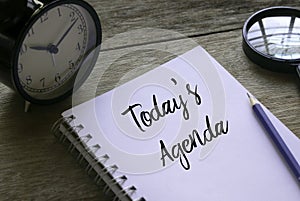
(35, 166)
(190, 17)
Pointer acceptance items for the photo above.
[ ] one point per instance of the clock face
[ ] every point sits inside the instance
(53, 49)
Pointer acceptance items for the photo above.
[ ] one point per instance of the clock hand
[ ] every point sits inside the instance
(50, 48)
(53, 60)
(53, 48)
(65, 34)
(39, 48)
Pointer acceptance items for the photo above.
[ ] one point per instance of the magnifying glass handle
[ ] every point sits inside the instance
(298, 70)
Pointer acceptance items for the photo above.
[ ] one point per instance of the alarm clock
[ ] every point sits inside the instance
(43, 45)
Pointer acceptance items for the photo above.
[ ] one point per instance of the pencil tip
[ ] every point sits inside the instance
(248, 95)
(253, 101)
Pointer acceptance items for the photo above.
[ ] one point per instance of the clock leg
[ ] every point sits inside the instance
(298, 70)
(27, 106)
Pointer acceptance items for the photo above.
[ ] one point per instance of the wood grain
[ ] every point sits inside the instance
(191, 18)
(34, 166)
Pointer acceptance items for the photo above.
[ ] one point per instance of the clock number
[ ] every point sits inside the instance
(80, 29)
(30, 32)
(72, 16)
(59, 12)
(28, 80)
(20, 68)
(44, 17)
(23, 49)
(71, 65)
(78, 47)
(42, 81)
(57, 78)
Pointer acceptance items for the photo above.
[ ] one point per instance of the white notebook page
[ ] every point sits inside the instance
(241, 164)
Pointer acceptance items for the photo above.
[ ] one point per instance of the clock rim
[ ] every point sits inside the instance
(20, 39)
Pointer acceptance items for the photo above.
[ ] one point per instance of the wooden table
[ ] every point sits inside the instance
(35, 166)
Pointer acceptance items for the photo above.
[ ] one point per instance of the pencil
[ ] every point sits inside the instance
(275, 136)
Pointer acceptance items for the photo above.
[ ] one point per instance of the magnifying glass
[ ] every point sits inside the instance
(271, 39)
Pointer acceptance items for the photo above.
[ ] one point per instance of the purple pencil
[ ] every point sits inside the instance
(273, 133)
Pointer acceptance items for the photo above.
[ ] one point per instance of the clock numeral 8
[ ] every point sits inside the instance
(57, 78)
(28, 80)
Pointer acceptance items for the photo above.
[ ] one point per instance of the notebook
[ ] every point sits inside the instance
(183, 131)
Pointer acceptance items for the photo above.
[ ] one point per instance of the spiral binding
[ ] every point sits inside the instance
(86, 155)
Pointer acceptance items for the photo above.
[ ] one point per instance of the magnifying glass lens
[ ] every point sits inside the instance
(278, 37)
(271, 39)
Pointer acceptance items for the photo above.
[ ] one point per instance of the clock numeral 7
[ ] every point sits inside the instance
(42, 82)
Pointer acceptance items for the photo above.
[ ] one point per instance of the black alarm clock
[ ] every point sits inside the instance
(43, 45)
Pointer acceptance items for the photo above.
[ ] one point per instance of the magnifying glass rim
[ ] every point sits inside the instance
(264, 60)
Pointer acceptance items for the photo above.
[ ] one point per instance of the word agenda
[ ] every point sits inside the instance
(145, 118)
